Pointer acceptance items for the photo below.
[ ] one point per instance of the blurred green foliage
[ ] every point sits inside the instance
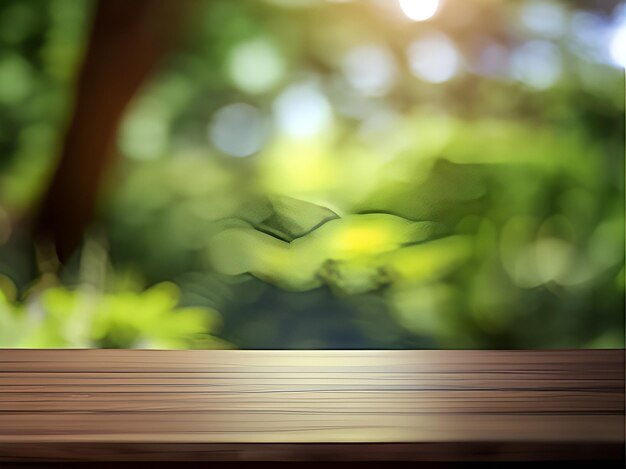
(309, 176)
(64, 318)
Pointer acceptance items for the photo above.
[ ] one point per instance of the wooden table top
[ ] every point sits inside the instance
(300, 405)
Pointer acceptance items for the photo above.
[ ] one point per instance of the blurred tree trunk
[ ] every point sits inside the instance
(127, 39)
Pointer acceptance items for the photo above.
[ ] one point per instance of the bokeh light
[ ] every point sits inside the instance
(537, 64)
(371, 69)
(618, 46)
(434, 58)
(492, 61)
(256, 66)
(302, 110)
(238, 129)
(545, 18)
(419, 10)
(145, 132)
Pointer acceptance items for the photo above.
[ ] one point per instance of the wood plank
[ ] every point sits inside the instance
(297, 405)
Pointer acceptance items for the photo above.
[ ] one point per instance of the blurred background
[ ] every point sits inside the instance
(327, 174)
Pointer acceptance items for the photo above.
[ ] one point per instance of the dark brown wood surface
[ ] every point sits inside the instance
(302, 405)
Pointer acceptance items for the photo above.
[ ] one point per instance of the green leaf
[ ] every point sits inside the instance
(292, 218)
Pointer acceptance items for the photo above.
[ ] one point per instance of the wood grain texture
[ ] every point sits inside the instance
(304, 405)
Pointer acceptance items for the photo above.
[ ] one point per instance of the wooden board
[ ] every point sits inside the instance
(301, 405)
